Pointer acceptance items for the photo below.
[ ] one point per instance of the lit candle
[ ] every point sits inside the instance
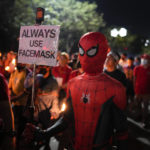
(14, 61)
(7, 68)
(63, 107)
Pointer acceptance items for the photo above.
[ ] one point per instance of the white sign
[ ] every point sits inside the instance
(38, 44)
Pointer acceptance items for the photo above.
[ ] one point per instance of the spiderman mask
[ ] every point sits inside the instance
(93, 49)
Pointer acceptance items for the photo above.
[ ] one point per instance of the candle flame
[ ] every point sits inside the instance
(14, 61)
(63, 107)
(7, 68)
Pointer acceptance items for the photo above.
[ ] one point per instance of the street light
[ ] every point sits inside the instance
(147, 42)
(122, 32)
(118, 41)
(114, 32)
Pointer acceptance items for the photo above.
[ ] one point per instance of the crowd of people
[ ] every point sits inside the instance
(134, 74)
(51, 93)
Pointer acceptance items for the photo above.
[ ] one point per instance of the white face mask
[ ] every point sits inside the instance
(144, 61)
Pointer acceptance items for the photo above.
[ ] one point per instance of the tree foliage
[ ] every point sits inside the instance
(5, 25)
(23, 13)
(146, 46)
(132, 43)
(13, 14)
(74, 17)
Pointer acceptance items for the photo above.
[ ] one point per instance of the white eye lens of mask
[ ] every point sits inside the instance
(81, 51)
(92, 52)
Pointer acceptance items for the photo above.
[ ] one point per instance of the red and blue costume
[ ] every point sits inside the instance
(95, 101)
(96, 98)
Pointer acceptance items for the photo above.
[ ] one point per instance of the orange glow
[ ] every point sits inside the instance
(108, 50)
(52, 118)
(7, 68)
(14, 61)
(63, 107)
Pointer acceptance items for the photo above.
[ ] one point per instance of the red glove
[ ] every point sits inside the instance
(29, 132)
(33, 133)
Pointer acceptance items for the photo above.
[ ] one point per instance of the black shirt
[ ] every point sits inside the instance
(118, 75)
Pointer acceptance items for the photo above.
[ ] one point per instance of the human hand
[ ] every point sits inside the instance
(29, 132)
(33, 133)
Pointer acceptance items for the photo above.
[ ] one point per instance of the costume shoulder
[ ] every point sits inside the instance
(77, 78)
(117, 90)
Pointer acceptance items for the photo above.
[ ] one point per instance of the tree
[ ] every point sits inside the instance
(74, 17)
(5, 13)
(13, 14)
(146, 45)
(131, 44)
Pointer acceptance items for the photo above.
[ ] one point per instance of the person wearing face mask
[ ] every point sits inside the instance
(142, 88)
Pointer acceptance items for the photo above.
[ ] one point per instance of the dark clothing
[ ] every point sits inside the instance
(118, 75)
(7, 129)
(49, 84)
(3, 89)
(130, 88)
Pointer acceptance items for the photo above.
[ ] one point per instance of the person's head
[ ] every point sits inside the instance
(47, 85)
(112, 61)
(20, 67)
(63, 59)
(130, 61)
(44, 70)
(93, 49)
(13, 55)
(74, 56)
(123, 56)
(79, 67)
(137, 61)
(145, 60)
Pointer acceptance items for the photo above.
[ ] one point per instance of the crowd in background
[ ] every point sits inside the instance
(51, 85)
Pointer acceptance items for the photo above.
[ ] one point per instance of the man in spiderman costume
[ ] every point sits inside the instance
(95, 104)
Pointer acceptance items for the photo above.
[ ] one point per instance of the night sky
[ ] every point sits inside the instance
(132, 14)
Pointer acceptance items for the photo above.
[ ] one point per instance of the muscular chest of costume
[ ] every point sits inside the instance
(87, 98)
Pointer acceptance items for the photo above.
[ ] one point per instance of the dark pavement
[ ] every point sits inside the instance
(139, 138)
